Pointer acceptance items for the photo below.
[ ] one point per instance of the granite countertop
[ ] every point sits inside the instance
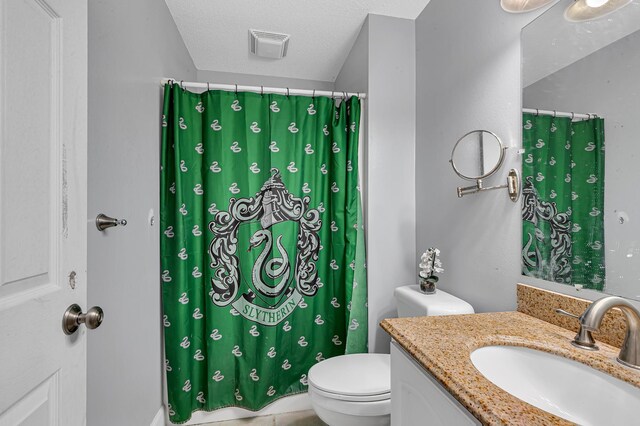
(443, 345)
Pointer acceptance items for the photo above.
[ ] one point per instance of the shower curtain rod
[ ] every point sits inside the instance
(571, 115)
(262, 89)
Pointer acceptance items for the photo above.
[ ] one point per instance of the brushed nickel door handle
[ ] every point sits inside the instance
(73, 317)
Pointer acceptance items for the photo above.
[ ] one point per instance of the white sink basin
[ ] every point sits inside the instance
(560, 386)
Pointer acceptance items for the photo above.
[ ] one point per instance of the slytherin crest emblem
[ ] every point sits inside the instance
(280, 270)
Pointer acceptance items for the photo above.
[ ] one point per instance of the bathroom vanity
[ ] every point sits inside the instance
(434, 377)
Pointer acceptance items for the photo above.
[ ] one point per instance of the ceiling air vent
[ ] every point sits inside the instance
(268, 45)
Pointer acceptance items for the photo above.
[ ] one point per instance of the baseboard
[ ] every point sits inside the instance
(158, 420)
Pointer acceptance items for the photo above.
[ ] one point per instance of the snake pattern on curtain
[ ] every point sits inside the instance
(563, 200)
(262, 244)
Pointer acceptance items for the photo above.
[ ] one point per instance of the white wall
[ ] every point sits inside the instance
(261, 80)
(468, 77)
(383, 61)
(354, 74)
(354, 77)
(606, 83)
(132, 44)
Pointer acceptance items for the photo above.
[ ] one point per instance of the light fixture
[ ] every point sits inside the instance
(587, 10)
(520, 6)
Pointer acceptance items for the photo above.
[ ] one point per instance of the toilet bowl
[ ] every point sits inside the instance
(355, 389)
(352, 390)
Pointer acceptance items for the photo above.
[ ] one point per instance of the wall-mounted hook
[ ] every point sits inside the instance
(103, 222)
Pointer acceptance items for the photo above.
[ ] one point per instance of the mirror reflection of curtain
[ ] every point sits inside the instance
(563, 200)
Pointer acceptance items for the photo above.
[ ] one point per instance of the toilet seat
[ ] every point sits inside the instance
(351, 398)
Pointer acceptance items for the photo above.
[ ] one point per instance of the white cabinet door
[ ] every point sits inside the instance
(417, 398)
(43, 221)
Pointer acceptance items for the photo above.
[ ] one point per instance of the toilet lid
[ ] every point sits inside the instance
(353, 375)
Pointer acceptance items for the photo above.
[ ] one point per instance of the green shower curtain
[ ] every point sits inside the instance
(262, 244)
(563, 200)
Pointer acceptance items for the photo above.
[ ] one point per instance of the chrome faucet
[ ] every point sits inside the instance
(591, 320)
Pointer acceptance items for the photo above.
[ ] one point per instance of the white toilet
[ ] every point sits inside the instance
(355, 389)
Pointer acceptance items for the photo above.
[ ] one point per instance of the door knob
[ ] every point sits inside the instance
(103, 222)
(73, 317)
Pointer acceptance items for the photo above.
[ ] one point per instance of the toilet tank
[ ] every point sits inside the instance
(411, 302)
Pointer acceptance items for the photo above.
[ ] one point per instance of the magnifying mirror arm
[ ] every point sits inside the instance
(478, 187)
(466, 190)
(513, 185)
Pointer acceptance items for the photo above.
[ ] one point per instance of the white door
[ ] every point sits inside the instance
(43, 184)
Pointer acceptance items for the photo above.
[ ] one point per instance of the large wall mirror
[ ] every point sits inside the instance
(581, 141)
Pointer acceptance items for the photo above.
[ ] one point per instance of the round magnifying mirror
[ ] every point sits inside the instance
(477, 155)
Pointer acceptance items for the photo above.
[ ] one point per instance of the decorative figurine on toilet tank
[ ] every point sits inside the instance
(429, 264)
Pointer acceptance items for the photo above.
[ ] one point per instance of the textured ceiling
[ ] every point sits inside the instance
(322, 32)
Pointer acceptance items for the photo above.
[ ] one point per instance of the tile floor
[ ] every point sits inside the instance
(298, 418)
